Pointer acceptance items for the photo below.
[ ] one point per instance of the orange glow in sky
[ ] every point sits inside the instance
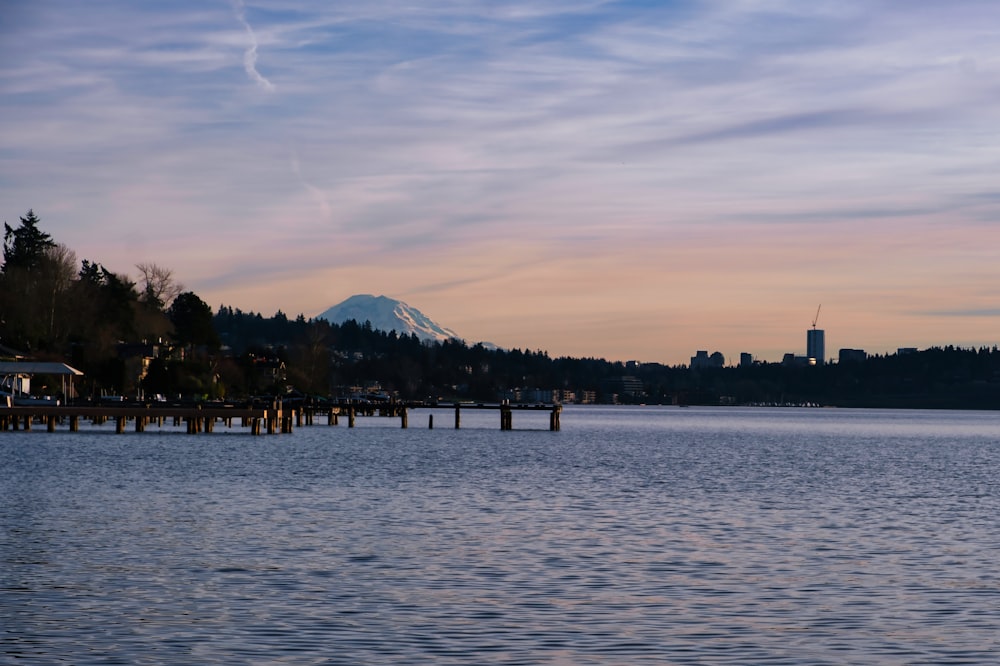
(624, 180)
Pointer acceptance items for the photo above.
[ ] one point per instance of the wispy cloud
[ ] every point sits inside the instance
(701, 149)
(250, 55)
(971, 312)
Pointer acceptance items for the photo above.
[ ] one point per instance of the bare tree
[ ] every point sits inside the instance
(159, 287)
(60, 267)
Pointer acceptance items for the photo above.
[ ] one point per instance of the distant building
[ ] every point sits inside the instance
(746, 359)
(792, 361)
(701, 359)
(626, 388)
(852, 356)
(137, 357)
(906, 350)
(816, 345)
(538, 395)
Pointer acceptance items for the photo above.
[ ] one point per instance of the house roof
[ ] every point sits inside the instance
(37, 368)
(9, 352)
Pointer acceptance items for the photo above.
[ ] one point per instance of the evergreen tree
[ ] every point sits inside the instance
(192, 320)
(26, 246)
(35, 278)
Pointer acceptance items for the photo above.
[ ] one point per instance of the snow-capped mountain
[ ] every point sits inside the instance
(387, 314)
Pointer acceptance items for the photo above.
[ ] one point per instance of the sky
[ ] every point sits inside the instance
(631, 180)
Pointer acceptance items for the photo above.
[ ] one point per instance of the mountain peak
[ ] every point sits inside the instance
(387, 314)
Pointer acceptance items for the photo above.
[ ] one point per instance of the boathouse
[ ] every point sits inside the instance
(16, 376)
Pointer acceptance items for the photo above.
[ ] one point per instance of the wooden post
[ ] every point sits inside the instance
(140, 424)
(74, 423)
(404, 417)
(51, 424)
(298, 418)
(458, 416)
(119, 425)
(350, 416)
(554, 418)
(430, 422)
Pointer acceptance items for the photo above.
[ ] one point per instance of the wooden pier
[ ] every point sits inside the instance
(260, 420)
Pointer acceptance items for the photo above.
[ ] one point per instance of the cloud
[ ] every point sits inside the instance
(318, 195)
(704, 149)
(250, 55)
(971, 312)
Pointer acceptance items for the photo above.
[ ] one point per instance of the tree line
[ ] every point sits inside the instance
(151, 336)
(56, 308)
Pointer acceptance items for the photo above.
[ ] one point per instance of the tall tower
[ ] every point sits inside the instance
(815, 344)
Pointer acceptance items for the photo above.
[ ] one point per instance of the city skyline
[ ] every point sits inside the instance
(626, 180)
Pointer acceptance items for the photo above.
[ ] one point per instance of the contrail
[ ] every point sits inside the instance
(318, 195)
(250, 55)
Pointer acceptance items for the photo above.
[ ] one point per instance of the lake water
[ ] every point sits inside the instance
(634, 535)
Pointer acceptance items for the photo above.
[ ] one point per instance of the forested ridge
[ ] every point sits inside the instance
(151, 336)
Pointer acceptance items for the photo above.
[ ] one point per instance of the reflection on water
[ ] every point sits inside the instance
(643, 535)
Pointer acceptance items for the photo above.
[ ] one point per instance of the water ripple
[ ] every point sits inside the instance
(633, 536)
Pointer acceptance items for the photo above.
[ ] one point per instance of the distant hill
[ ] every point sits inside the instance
(387, 314)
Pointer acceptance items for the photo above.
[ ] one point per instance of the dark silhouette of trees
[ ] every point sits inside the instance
(192, 320)
(34, 281)
(25, 247)
(128, 338)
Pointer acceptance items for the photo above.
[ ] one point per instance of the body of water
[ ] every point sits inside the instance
(634, 535)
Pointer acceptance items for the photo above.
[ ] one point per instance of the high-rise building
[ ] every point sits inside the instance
(701, 359)
(815, 346)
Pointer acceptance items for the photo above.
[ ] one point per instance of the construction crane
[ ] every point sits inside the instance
(816, 318)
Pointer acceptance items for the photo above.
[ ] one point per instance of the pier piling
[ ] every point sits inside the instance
(271, 419)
